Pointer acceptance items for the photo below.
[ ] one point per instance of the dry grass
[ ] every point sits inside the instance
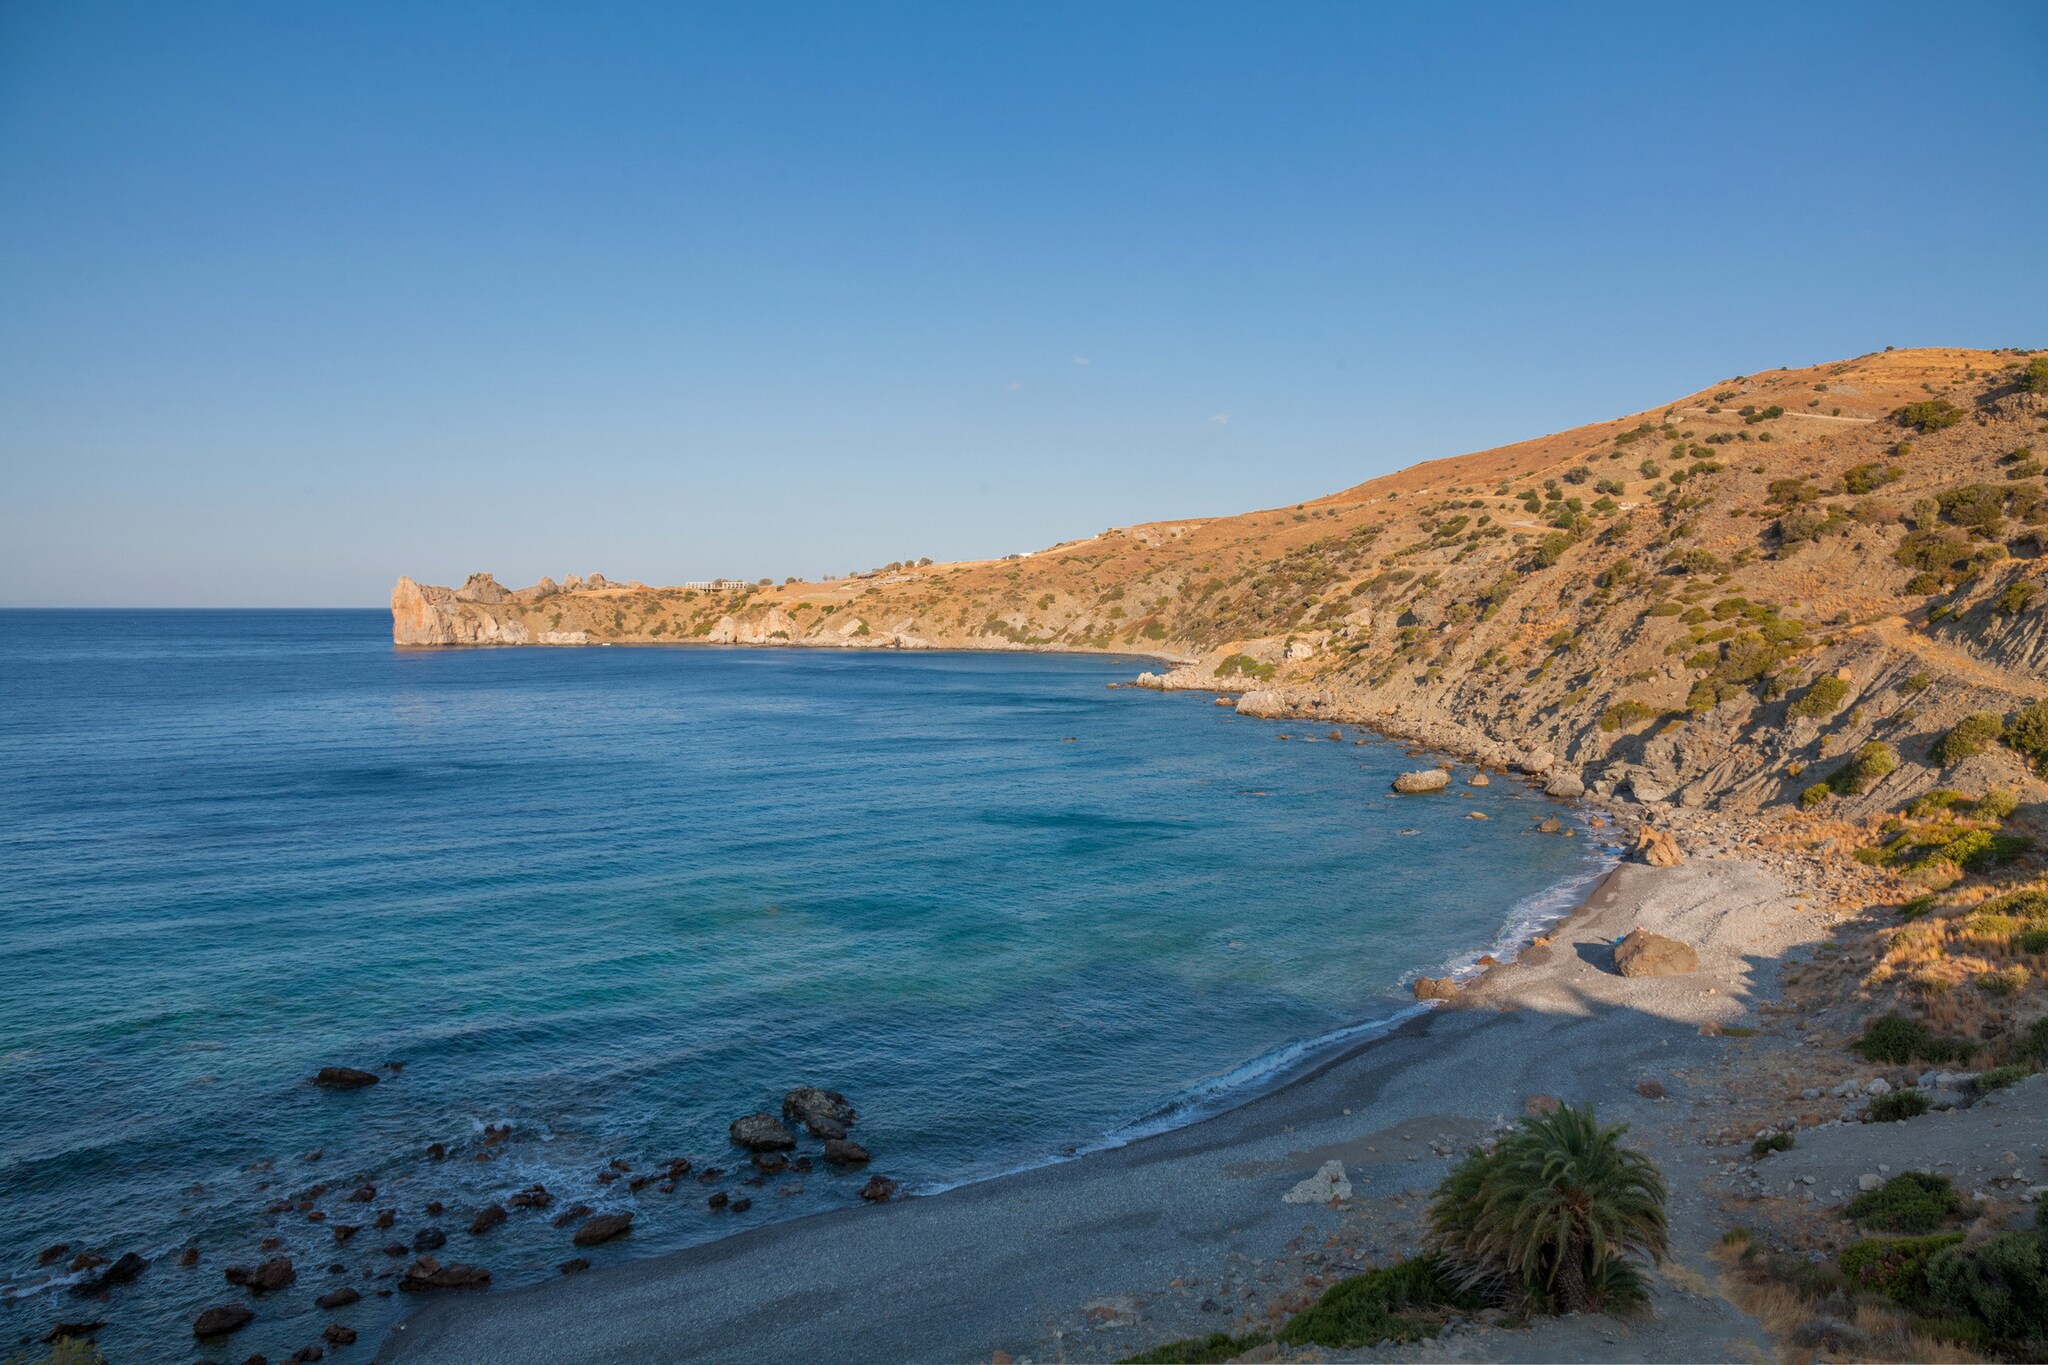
(1812, 1319)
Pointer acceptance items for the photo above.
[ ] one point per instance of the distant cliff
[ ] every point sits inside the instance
(1728, 598)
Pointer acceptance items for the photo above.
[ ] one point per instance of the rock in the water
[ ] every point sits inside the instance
(427, 1273)
(603, 1228)
(123, 1271)
(532, 1197)
(429, 1239)
(486, 1219)
(344, 1078)
(1566, 786)
(574, 1213)
(1643, 953)
(1422, 780)
(826, 1114)
(845, 1152)
(337, 1298)
(1478, 780)
(1477, 815)
(274, 1274)
(1435, 988)
(1658, 848)
(1326, 1184)
(771, 1163)
(761, 1133)
(222, 1319)
(77, 1331)
(338, 1335)
(1549, 825)
(879, 1190)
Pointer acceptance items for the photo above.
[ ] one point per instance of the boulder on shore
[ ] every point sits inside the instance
(1537, 762)
(761, 1132)
(603, 1228)
(1327, 1184)
(1422, 780)
(1658, 848)
(1643, 953)
(222, 1319)
(344, 1078)
(880, 1189)
(1435, 988)
(427, 1273)
(1565, 786)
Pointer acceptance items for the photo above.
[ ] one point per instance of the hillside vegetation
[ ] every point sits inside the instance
(1787, 587)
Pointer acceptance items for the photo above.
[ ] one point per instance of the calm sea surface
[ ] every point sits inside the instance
(616, 898)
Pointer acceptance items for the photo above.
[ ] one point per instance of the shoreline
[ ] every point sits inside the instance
(1553, 1025)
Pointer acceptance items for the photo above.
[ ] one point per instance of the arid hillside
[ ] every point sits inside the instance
(1789, 586)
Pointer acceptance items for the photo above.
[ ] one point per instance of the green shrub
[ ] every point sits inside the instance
(1868, 478)
(2033, 941)
(1824, 698)
(2017, 597)
(1625, 713)
(1897, 1040)
(1916, 907)
(1405, 1301)
(2035, 1044)
(1928, 415)
(1999, 1077)
(2002, 1282)
(1899, 1104)
(1911, 1201)
(1551, 1213)
(1873, 763)
(1771, 1142)
(1971, 736)
(1814, 795)
(1209, 1350)
(1244, 664)
(2028, 731)
(2007, 980)
(1996, 804)
(1896, 1268)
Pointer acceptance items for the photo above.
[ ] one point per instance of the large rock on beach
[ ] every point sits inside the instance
(1435, 988)
(1537, 762)
(1658, 848)
(344, 1078)
(427, 1273)
(1565, 786)
(222, 1319)
(603, 1228)
(880, 1189)
(1422, 780)
(1643, 953)
(761, 1132)
(1327, 1184)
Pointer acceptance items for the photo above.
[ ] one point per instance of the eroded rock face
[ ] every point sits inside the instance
(423, 615)
(1658, 848)
(1643, 953)
(1422, 780)
(481, 587)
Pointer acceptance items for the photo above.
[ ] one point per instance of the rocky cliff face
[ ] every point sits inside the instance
(1724, 600)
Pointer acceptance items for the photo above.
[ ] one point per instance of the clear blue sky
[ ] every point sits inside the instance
(295, 298)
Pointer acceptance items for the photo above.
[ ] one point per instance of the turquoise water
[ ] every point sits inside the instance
(616, 898)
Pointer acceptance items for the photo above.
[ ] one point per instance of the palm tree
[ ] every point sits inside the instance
(1552, 1212)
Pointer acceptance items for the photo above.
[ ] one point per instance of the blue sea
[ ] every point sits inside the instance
(597, 903)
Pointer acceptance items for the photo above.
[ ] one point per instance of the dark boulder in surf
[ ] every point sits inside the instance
(825, 1113)
(846, 1152)
(344, 1078)
(427, 1273)
(880, 1190)
(222, 1319)
(761, 1133)
(267, 1278)
(603, 1228)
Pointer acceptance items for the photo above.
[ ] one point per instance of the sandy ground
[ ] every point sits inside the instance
(1188, 1232)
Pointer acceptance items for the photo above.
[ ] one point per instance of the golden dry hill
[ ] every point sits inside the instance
(1789, 586)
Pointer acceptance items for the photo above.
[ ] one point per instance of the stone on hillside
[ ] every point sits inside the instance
(1643, 953)
(1657, 848)
(1422, 780)
(761, 1133)
(1566, 786)
(1537, 762)
(1435, 988)
(483, 588)
(344, 1078)
(1328, 1183)
(1647, 789)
